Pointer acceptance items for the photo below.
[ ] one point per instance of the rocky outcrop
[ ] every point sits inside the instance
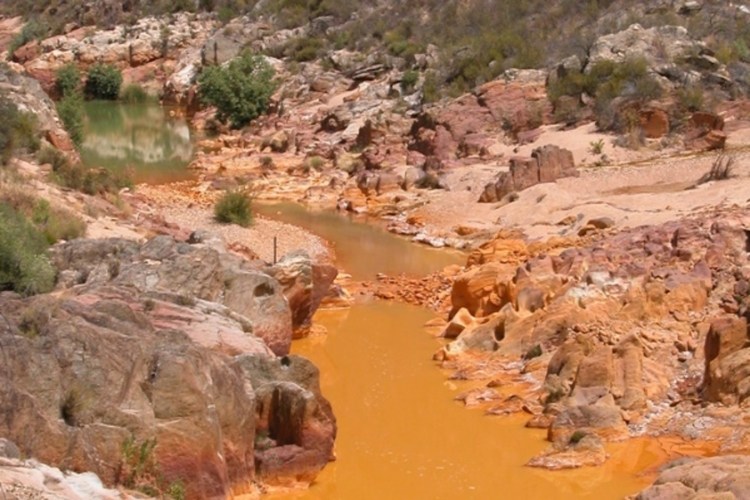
(27, 94)
(161, 347)
(717, 477)
(546, 164)
(610, 331)
(192, 272)
(513, 103)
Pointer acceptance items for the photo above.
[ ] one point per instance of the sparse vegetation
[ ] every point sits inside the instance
(103, 81)
(32, 30)
(721, 169)
(134, 94)
(628, 81)
(76, 176)
(577, 436)
(18, 131)
(533, 352)
(57, 224)
(596, 147)
(70, 109)
(24, 267)
(234, 207)
(240, 91)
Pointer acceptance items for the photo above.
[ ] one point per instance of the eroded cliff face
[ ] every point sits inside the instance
(640, 332)
(167, 347)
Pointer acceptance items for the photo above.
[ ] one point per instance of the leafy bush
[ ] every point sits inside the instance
(240, 91)
(68, 80)
(103, 82)
(70, 109)
(24, 267)
(234, 207)
(134, 94)
(18, 130)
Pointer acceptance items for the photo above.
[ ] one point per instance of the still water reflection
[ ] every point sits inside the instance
(142, 138)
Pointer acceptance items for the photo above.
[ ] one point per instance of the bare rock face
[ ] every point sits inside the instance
(190, 271)
(716, 477)
(161, 343)
(546, 164)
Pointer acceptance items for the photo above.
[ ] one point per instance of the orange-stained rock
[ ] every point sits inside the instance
(654, 122)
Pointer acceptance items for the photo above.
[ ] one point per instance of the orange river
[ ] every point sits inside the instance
(401, 434)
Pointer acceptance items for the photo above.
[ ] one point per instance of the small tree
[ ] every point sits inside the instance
(240, 91)
(67, 80)
(103, 82)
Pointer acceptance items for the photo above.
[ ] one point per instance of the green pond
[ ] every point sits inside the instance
(140, 138)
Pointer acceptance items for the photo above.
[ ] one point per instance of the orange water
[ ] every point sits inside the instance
(401, 434)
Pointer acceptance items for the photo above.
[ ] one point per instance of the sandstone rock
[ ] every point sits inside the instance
(727, 349)
(458, 323)
(716, 477)
(547, 164)
(294, 416)
(654, 122)
(305, 283)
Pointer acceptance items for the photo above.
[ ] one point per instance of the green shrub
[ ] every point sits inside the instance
(18, 130)
(315, 162)
(234, 207)
(409, 80)
(533, 352)
(70, 109)
(240, 91)
(596, 147)
(68, 80)
(24, 267)
(134, 94)
(304, 49)
(103, 81)
(577, 436)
